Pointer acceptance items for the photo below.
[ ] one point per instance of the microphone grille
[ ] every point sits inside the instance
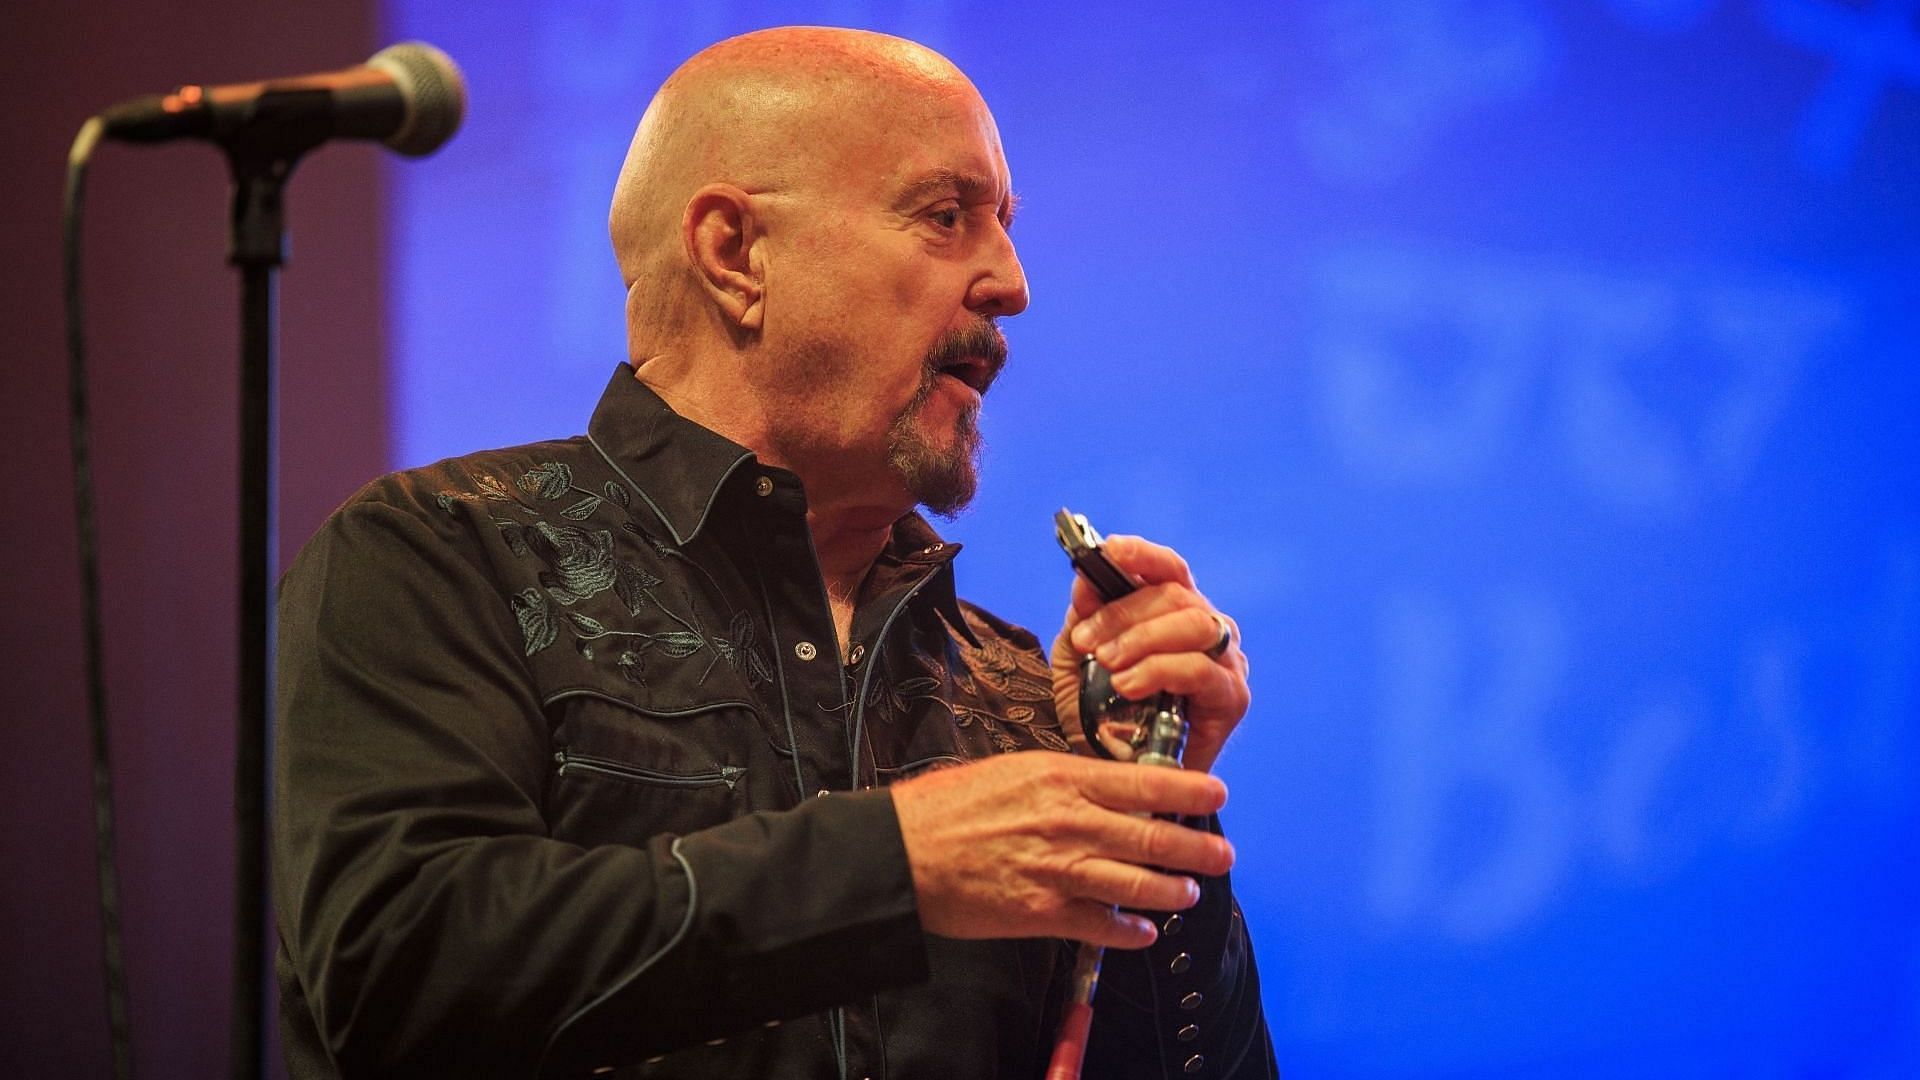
(434, 92)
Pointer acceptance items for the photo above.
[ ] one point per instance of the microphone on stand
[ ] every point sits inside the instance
(409, 96)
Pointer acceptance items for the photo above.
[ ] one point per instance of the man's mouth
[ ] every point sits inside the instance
(975, 372)
(973, 357)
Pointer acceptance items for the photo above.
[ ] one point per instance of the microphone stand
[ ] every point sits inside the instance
(261, 154)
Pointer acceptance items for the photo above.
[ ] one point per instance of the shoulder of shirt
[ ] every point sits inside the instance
(422, 490)
(986, 625)
(448, 499)
(451, 504)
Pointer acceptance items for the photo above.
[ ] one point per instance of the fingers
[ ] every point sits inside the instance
(1107, 620)
(1142, 841)
(1130, 789)
(1095, 916)
(1116, 825)
(1210, 689)
(1086, 600)
(1173, 629)
(1041, 843)
(1087, 920)
(1117, 883)
(1157, 639)
(1151, 563)
(1167, 618)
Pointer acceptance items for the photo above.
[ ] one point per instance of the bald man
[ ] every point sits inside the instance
(669, 750)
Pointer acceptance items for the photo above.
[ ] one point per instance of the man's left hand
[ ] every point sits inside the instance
(1155, 639)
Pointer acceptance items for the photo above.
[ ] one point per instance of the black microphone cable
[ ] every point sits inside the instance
(410, 96)
(105, 861)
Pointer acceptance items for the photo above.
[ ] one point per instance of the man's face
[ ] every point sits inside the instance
(884, 279)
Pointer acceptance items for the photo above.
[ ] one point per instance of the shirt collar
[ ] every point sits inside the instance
(686, 465)
(915, 544)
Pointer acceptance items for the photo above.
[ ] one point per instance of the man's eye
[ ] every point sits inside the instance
(946, 217)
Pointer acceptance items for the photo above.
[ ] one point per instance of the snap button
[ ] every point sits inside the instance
(1191, 1001)
(856, 654)
(934, 550)
(1173, 925)
(1194, 1064)
(805, 650)
(1180, 964)
(1188, 1033)
(821, 794)
(763, 487)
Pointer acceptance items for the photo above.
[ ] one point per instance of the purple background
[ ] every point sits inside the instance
(1534, 379)
(163, 312)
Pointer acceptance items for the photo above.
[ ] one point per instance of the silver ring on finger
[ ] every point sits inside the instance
(1225, 641)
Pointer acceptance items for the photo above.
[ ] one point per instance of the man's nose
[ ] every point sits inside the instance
(1001, 287)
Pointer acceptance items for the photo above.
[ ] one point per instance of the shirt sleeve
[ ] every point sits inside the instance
(430, 924)
(1189, 1004)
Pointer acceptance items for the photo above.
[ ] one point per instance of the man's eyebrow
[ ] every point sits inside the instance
(967, 187)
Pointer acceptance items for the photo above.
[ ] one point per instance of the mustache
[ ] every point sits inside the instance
(983, 342)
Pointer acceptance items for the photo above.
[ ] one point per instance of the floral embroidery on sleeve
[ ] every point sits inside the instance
(1013, 677)
(1015, 690)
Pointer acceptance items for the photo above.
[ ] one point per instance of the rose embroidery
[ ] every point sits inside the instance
(582, 562)
(536, 620)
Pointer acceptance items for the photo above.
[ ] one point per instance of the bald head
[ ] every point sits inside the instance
(812, 225)
(769, 112)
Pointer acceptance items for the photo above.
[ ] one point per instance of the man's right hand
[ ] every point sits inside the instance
(1044, 844)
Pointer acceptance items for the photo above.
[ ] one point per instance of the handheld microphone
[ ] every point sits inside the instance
(409, 96)
(1145, 733)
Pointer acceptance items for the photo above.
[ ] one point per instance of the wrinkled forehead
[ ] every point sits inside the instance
(864, 133)
(840, 117)
(873, 138)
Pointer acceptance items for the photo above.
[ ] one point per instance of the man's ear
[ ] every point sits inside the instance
(720, 232)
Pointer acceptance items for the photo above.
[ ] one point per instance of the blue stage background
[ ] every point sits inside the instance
(1534, 380)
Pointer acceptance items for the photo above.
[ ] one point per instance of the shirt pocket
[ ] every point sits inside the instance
(621, 775)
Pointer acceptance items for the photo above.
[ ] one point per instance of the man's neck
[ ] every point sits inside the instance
(850, 516)
(848, 541)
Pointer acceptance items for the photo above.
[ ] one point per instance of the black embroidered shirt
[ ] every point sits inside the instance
(572, 778)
